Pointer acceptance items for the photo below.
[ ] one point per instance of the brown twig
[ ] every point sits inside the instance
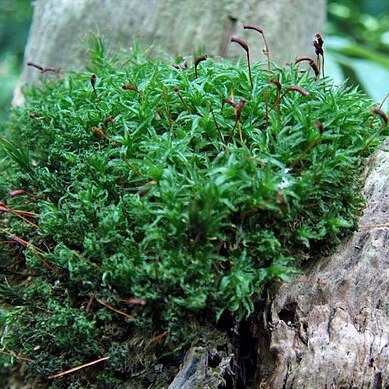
(19, 213)
(24, 243)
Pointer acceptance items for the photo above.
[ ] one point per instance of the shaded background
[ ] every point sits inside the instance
(356, 39)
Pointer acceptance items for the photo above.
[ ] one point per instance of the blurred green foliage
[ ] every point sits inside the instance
(358, 41)
(15, 17)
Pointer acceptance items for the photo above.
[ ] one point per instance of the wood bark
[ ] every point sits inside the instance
(61, 28)
(331, 331)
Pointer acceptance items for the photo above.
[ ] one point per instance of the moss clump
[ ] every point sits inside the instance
(155, 201)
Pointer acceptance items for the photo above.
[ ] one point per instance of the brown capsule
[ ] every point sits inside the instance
(380, 113)
(3, 208)
(198, 60)
(239, 107)
(240, 42)
(319, 125)
(16, 192)
(318, 48)
(276, 83)
(93, 82)
(98, 132)
(146, 187)
(281, 200)
(49, 69)
(298, 89)
(320, 40)
(130, 87)
(251, 27)
(228, 101)
(107, 120)
(311, 63)
(300, 59)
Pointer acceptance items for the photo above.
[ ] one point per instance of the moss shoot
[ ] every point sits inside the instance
(141, 202)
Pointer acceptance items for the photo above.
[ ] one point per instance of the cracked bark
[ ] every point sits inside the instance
(336, 334)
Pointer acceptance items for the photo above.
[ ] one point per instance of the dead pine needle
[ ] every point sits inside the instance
(246, 48)
(371, 226)
(125, 160)
(77, 368)
(16, 356)
(114, 309)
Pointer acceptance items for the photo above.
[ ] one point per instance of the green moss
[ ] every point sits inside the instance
(174, 203)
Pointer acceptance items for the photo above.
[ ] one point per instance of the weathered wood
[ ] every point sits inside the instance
(334, 333)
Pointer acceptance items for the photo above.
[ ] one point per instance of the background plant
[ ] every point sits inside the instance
(358, 43)
(135, 215)
(15, 16)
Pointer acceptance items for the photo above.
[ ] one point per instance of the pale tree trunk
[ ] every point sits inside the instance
(61, 28)
(332, 331)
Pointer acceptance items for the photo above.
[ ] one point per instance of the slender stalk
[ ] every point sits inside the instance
(114, 309)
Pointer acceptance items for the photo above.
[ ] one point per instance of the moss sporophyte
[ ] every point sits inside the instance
(143, 201)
